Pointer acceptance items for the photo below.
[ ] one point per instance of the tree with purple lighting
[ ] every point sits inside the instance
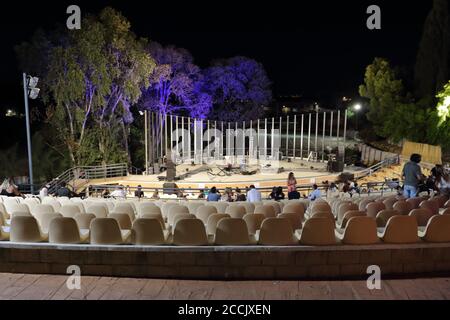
(176, 84)
(239, 87)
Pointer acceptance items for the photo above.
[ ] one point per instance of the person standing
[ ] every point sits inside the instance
(412, 176)
(253, 195)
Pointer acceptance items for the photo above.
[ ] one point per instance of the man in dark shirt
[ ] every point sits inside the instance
(63, 191)
(412, 175)
(139, 193)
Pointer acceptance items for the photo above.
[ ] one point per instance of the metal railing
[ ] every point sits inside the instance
(380, 165)
(74, 176)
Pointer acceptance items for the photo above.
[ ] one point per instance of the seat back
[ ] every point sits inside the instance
(249, 207)
(231, 232)
(320, 207)
(414, 203)
(350, 214)
(220, 206)
(422, 216)
(122, 219)
(402, 206)
(149, 208)
(362, 206)
(401, 229)
(24, 229)
(294, 219)
(373, 208)
(318, 232)
(125, 207)
(45, 220)
(441, 200)
(147, 231)
(213, 219)
(253, 221)
(276, 232)
(431, 205)
(193, 207)
(190, 232)
(105, 231)
(237, 211)
(69, 211)
(294, 207)
(344, 208)
(324, 214)
(175, 210)
(389, 203)
(83, 220)
(204, 212)
(98, 210)
(64, 230)
(182, 216)
(154, 215)
(267, 210)
(383, 217)
(360, 230)
(437, 229)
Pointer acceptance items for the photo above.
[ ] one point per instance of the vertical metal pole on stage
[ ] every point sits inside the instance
(216, 142)
(171, 133)
(265, 137)
(201, 141)
(189, 140)
(345, 133)
(251, 141)
(301, 137)
(166, 135)
(287, 136)
(338, 125)
(317, 131)
(258, 145)
(236, 144)
(161, 135)
(295, 134)
(209, 138)
(195, 139)
(221, 140)
(146, 140)
(229, 136)
(272, 138)
(309, 134)
(323, 135)
(331, 128)
(152, 138)
(177, 135)
(182, 140)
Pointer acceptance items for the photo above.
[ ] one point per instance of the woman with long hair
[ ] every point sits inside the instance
(291, 182)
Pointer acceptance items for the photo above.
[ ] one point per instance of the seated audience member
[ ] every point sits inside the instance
(44, 191)
(277, 194)
(227, 196)
(119, 193)
(273, 194)
(105, 193)
(239, 196)
(63, 191)
(9, 188)
(316, 194)
(155, 194)
(444, 184)
(253, 195)
(139, 193)
(213, 196)
(201, 195)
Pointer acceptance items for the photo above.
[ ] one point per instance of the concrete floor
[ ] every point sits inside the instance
(39, 287)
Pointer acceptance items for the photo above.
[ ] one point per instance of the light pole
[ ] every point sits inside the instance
(29, 90)
(357, 107)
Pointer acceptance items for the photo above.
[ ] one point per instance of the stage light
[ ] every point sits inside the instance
(32, 82)
(34, 93)
(141, 112)
(357, 107)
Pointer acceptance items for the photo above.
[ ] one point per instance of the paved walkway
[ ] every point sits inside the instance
(25, 286)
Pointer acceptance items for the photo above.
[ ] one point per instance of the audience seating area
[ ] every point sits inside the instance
(351, 221)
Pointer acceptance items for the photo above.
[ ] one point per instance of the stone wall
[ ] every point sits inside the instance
(228, 263)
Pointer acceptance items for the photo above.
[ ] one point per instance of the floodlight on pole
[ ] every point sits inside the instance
(357, 107)
(29, 90)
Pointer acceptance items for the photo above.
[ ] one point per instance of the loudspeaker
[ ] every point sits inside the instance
(335, 166)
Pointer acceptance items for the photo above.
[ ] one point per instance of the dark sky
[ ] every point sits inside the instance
(316, 48)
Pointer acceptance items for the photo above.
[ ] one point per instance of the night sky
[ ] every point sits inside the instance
(317, 49)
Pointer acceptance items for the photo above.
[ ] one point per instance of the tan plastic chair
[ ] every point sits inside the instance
(26, 229)
(147, 209)
(317, 232)
(122, 219)
(190, 232)
(4, 235)
(343, 209)
(213, 219)
(175, 210)
(193, 207)
(166, 207)
(17, 207)
(3, 211)
(294, 219)
(325, 214)
(106, 231)
(20, 214)
(267, 210)
(220, 206)
(276, 206)
(402, 206)
(389, 203)
(294, 207)
(237, 211)
(253, 222)
(148, 232)
(414, 203)
(422, 216)
(400, 229)
(69, 211)
(431, 205)
(155, 215)
(99, 210)
(204, 212)
(320, 207)
(447, 204)
(83, 220)
(446, 211)
(360, 230)
(65, 230)
(55, 204)
(277, 232)
(45, 220)
(437, 229)
(182, 216)
(383, 217)
(125, 207)
(362, 206)
(232, 232)
(142, 206)
(249, 207)
(350, 214)
(441, 200)
(373, 208)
